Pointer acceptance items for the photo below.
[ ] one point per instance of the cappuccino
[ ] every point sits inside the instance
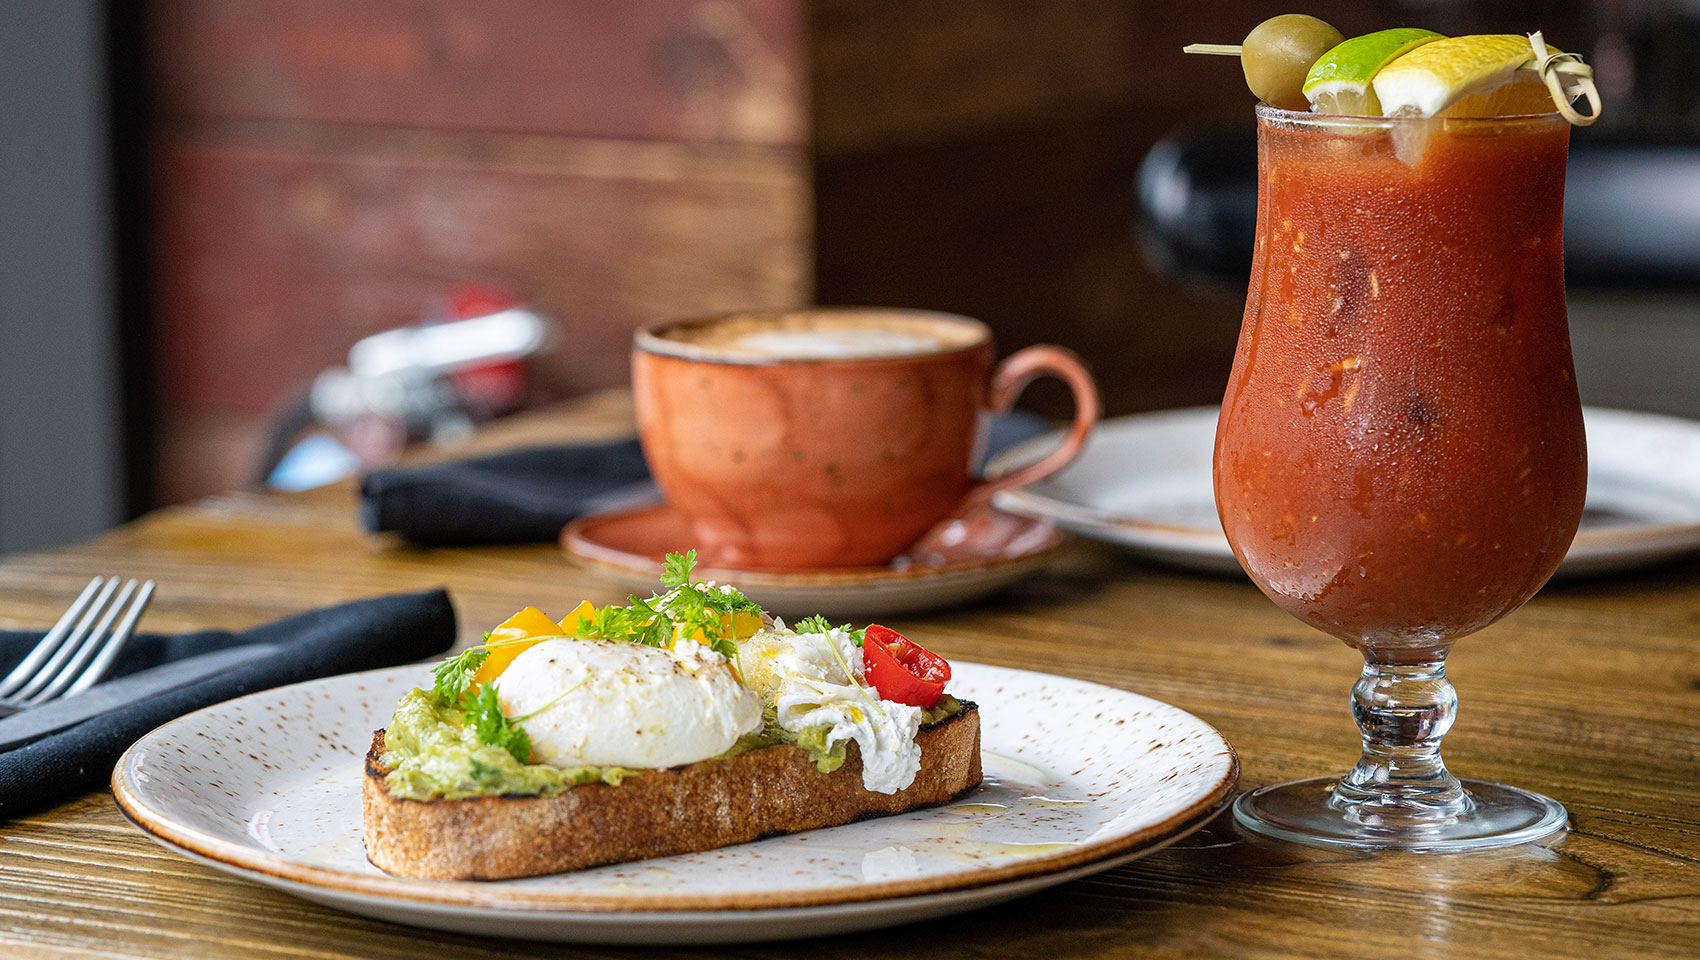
(834, 335)
(823, 437)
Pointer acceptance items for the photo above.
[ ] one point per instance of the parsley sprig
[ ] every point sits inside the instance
(639, 622)
(684, 607)
(819, 624)
(453, 677)
(500, 730)
(452, 690)
(495, 728)
(702, 609)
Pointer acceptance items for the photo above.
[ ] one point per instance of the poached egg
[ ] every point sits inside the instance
(610, 703)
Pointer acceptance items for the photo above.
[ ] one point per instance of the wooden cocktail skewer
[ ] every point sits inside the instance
(1214, 49)
(1557, 70)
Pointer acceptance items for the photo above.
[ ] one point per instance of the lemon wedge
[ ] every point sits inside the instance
(1485, 70)
(1339, 81)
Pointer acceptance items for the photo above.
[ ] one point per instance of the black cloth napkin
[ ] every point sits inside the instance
(527, 496)
(362, 635)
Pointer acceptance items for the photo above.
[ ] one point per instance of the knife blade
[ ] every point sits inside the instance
(37, 722)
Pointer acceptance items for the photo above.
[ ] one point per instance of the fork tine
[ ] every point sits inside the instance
(102, 664)
(73, 668)
(71, 645)
(27, 668)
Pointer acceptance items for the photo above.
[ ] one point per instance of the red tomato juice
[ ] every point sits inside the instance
(1400, 458)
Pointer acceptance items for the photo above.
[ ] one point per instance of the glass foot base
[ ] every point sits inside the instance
(1302, 812)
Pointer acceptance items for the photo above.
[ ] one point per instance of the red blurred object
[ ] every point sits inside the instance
(490, 388)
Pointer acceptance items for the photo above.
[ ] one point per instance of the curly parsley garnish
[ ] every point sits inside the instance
(676, 571)
(819, 624)
(494, 728)
(453, 677)
(637, 623)
(685, 607)
(677, 578)
(701, 609)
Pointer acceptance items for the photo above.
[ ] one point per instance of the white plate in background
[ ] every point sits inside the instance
(1143, 482)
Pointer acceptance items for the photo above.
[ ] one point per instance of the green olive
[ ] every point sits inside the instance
(1277, 54)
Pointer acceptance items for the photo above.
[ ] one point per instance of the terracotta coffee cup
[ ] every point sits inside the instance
(831, 437)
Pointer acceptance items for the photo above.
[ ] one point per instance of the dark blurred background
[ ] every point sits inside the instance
(203, 203)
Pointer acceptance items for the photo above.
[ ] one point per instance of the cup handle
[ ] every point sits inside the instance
(1010, 378)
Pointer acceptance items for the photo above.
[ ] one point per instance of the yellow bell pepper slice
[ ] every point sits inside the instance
(513, 637)
(746, 624)
(581, 617)
(742, 623)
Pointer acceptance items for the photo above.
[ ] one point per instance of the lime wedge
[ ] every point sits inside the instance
(1339, 81)
(1433, 77)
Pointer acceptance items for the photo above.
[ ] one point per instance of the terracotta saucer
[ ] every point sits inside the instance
(970, 558)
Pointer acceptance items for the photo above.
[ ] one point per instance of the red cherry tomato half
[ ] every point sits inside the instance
(901, 669)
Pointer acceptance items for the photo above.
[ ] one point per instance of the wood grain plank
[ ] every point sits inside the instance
(685, 70)
(889, 72)
(1588, 694)
(271, 240)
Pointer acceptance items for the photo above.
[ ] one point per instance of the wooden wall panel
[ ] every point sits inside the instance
(278, 247)
(1032, 232)
(692, 70)
(995, 177)
(980, 157)
(904, 72)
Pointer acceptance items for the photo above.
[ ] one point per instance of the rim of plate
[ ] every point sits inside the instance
(590, 553)
(1642, 535)
(1041, 507)
(497, 895)
(1029, 502)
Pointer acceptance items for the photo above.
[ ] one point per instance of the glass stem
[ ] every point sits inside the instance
(1404, 710)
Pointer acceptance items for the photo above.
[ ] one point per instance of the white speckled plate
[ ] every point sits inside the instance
(1079, 777)
(1143, 482)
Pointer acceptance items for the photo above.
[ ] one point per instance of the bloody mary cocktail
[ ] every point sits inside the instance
(1400, 459)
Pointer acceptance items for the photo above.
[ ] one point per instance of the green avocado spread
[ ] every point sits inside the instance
(812, 739)
(947, 707)
(434, 754)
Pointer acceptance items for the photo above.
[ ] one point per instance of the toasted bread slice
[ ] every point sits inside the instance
(657, 813)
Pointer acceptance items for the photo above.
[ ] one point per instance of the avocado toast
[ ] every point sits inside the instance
(684, 722)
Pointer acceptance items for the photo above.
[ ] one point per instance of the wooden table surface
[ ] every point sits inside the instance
(1590, 694)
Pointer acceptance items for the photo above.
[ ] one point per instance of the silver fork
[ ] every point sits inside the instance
(81, 648)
